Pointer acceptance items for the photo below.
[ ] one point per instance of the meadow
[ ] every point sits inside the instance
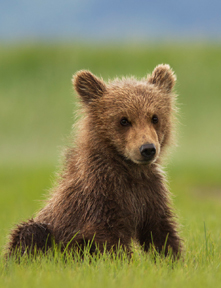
(37, 105)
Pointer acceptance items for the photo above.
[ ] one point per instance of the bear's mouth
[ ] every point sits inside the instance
(138, 162)
(143, 162)
(134, 161)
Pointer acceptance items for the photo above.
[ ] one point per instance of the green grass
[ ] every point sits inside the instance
(36, 115)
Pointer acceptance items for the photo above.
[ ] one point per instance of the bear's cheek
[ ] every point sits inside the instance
(112, 135)
(161, 137)
(163, 132)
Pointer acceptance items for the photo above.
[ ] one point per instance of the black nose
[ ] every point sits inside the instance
(148, 151)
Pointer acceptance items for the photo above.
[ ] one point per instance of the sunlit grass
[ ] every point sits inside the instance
(201, 268)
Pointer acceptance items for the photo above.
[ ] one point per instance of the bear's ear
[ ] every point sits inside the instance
(163, 77)
(88, 86)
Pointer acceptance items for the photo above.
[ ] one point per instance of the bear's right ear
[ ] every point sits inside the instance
(88, 86)
(163, 77)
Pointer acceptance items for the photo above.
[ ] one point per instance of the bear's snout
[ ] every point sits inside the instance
(148, 151)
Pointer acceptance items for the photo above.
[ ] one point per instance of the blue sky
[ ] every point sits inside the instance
(114, 19)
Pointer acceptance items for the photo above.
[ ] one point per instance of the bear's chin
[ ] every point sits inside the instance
(141, 161)
(144, 162)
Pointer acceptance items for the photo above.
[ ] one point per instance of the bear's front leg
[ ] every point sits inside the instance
(28, 237)
(95, 242)
(103, 238)
(163, 235)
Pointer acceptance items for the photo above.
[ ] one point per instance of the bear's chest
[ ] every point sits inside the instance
(138, 203)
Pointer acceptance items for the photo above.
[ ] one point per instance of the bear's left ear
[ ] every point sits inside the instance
(163, 77)
(88, 86)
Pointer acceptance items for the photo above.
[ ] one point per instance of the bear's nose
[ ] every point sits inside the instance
(148, 151)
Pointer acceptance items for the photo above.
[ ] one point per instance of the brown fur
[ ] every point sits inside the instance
(107, 191)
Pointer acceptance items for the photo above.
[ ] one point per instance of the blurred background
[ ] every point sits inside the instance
(109, 20)
(43, 43)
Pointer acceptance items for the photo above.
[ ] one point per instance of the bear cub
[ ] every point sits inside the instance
(112, 189)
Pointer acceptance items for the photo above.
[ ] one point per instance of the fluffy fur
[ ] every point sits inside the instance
(110, 191)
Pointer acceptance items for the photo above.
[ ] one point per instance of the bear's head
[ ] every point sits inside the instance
(133, 117)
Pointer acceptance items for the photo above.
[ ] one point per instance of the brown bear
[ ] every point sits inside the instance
(112, 189)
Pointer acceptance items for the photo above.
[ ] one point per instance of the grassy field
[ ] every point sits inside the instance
(36, 115)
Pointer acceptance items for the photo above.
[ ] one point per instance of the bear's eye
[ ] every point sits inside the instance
(124, 122)
(154, 119)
